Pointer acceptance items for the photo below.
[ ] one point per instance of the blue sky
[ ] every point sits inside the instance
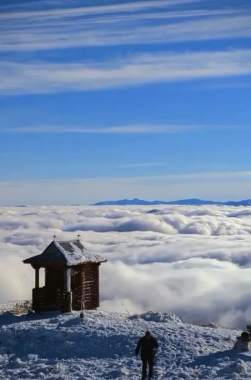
(145, 99)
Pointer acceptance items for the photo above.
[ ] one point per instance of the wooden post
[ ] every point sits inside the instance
(82, 287)
(68, 280)
(67, 295)
(36, 278)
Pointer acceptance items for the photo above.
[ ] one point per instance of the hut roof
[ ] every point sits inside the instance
(65, 252)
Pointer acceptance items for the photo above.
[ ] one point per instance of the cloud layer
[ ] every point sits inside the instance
(32, 78)
(195, 262)
(115, 24)
(30, 36)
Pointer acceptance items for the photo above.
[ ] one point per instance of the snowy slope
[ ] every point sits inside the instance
(101, 346)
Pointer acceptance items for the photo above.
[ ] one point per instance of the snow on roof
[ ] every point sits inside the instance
(65, 252)
(75, 253)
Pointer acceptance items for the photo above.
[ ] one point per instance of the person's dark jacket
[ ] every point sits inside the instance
(147, 347)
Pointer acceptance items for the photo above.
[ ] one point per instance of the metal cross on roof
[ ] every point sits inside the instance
(54, 237)
(78, 236)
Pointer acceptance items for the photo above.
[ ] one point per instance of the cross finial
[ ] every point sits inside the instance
(54, 237)
(78, 237)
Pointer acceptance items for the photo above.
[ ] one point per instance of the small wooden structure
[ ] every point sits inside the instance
(71, 278)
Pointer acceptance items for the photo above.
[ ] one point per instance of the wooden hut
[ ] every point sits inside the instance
(71, 277)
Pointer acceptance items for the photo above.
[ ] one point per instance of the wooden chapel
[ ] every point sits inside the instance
(71, 277)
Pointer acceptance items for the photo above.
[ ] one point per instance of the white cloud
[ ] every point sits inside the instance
(141, 128)
(124, 129)
(80, 11)
(20, 78)
(114, 24)
(195, 262)
(142, 164)
(119, 30)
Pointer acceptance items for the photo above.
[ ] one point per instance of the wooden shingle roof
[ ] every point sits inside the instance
(65, 252)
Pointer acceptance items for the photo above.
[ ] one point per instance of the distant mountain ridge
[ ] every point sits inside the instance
(181, 202)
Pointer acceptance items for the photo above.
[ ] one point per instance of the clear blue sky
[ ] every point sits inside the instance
(147, 99)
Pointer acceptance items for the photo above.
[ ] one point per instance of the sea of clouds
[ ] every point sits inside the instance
(192, 261)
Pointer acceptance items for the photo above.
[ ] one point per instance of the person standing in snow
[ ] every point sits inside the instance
(147, 346)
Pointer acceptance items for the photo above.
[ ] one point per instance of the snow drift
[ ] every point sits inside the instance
(101, 346)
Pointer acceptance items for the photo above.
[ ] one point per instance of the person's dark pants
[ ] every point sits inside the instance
(150, 361)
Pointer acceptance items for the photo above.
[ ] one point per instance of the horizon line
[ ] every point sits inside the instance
(223, 203)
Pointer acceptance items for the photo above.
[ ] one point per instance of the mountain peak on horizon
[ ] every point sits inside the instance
(184, 202)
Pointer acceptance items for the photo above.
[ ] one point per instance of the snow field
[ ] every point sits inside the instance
(56, 346)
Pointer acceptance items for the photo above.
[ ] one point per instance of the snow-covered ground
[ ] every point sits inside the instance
(101, 346)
